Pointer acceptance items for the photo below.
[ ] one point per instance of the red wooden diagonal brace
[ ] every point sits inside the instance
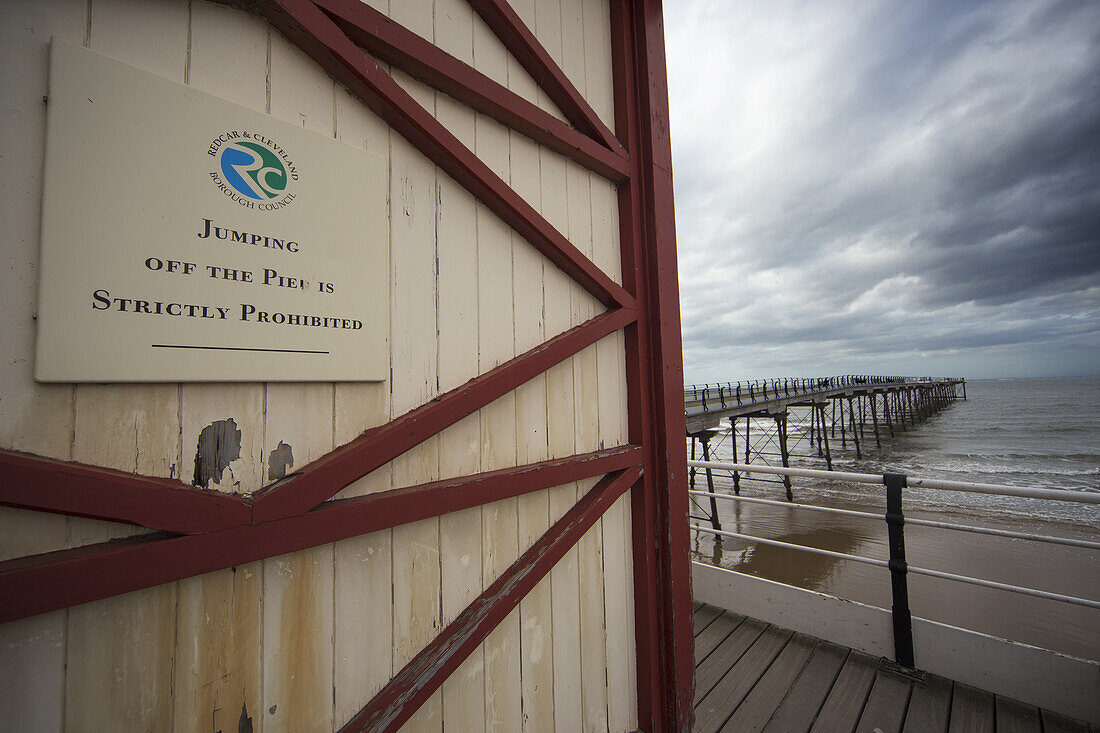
(306, 26)
(43, 484)
(322, 479)
(424, 674)
(390, 42)
(518, 39)
(40, 583)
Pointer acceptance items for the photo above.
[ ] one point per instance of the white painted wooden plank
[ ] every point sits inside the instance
(537, 659)
(360, 406)
(26, 532)
(547, 29)
(363, 605)
(619, 624)
(463, 698)
(579, 206)
(221, 38)
(456, 230)
(120, 650)
(298, 613)
(416, 588)
(219, 673)
(297, 641)
(364, 621)
(428, 719)
(503, 709)
(217, 681)
(460, 547)
(131, 427)
(496, 344)
(118, 672)
(565, 582)
(32, 659)
(417, 582)
(413, 307)
(490, 56)
(597, 59)
(572, 59)
(207, 410)
(152, 36)
(519, 81)
(593, 677)
(224, 38)
(35, 418)
(605, 227)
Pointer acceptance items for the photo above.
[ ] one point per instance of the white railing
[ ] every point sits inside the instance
(895, 484)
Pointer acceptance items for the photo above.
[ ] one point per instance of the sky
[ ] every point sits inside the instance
(897, 188)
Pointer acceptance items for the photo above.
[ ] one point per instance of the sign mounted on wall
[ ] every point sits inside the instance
(187, 238)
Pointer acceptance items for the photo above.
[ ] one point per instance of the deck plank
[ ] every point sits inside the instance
(720, 702)
(715, 634)
(886, 704)
(703, 617)
(1014, 716)
(1055, 723)
(804, 699)
(971, 710)
(760, 704)
(728, 652)
(929, 706)
(845, 701)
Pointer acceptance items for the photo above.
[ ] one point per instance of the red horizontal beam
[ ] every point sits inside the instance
(43, 484)
(392, 43)
(518, 39)
(40, 583)
(322, 479)
(422, 676)
(306, 26)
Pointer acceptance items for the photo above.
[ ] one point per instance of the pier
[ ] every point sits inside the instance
(773, 420)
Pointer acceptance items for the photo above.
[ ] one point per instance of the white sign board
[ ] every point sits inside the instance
(187, 238)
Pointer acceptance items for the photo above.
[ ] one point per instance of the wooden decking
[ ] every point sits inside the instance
(752, 676)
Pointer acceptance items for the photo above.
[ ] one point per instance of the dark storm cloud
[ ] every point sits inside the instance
(858, 186)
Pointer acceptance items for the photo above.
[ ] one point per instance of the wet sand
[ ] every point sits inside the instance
(1045, 623)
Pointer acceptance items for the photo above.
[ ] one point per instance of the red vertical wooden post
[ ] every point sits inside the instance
(659, 503)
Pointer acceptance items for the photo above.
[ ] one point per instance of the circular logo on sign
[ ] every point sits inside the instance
(252, 170)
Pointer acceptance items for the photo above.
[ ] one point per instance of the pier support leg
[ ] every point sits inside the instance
(825, 434)
(705, 440)
(748, 442)
(874, 419)
(886, 412)
(855, 435)
(862, 415)
(781, 427)
(843, 436)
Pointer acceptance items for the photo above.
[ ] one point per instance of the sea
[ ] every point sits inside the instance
(1042, 433)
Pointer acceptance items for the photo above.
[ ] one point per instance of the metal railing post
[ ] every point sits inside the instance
(899, 586)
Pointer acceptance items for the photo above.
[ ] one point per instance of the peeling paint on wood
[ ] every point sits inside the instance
(281, 459)
(219, 445)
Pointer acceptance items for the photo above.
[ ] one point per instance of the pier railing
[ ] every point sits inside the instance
(727, 394)
(894, 486)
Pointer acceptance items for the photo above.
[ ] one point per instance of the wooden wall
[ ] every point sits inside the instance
(301, 642)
